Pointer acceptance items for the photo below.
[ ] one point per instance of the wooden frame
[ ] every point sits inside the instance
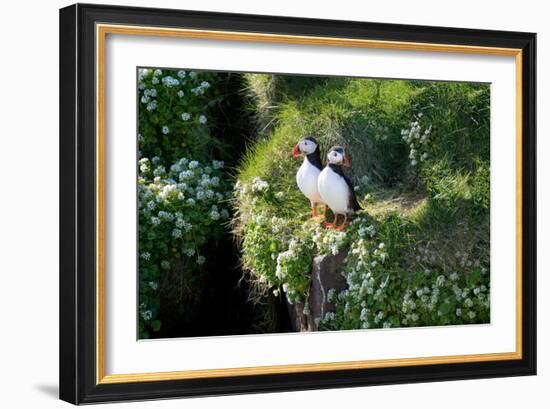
(83, 29)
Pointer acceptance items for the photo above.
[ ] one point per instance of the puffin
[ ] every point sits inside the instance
(309, 172)
(336, 189)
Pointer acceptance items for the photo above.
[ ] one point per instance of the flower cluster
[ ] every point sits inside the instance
(180, 210)
(416, 137)
(380, 296)
(176, 106)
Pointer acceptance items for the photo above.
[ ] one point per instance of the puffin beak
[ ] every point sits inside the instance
(296, 151)
(346, 161)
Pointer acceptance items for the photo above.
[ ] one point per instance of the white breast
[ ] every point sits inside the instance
(306, 178)
(334, 191)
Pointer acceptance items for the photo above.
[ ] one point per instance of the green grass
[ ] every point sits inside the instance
(427, 199)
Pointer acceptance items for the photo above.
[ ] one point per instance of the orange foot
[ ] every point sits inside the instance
(331, 225)
(344, 223)
(314, 213)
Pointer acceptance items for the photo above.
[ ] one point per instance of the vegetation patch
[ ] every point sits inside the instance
(419, 249)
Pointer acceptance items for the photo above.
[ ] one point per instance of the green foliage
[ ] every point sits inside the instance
(183, 195)
(174, 114)
(419, 252)
(383, 293)
(179, 212)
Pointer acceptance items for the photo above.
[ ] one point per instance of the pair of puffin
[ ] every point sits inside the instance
(328, 185)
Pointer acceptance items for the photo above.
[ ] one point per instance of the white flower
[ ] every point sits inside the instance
(192, 74)
(165, 264)
(169, 81)
(217, 164)
(165, 130)
(167, 190)
(214, 215)
(205, 84)
(191, 202)
(471, 315)
(153, 285)
(176, 233)
(181, 73)
(155, 80)
(145, 255)
(189, 252)
(185, 116)
(181, 94)
(259, 185)
(202, 119)
(458, 312)
(155, 221)
(147, 315)
(186, 174)
(159, 171)
(193, 164)
(201, 260)
(157, 72)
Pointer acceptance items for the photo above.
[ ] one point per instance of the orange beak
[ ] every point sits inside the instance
(296, 151)
(346, 161)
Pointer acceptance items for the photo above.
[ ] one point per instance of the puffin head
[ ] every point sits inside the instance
(337, 156)
(306, 146)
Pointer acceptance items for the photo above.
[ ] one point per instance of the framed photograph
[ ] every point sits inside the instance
(258, 203)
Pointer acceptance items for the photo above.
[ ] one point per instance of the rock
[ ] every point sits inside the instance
(325, 274)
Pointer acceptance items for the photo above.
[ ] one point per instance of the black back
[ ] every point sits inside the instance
(352, 199)
(315, 158)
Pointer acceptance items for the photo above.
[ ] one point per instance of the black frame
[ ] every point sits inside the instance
(77, 204)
